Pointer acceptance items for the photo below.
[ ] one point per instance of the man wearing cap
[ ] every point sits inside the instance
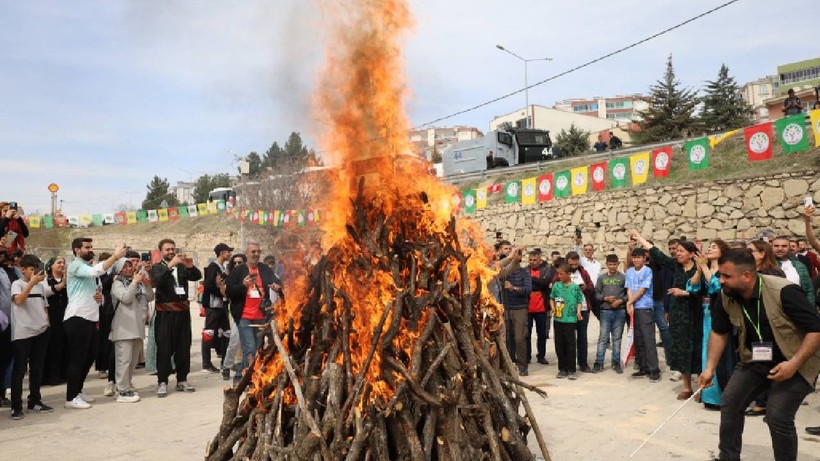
(217, 325)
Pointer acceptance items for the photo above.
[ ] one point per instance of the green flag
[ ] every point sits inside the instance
(48, 221)
(562, 183)
(792, 132)
(281, 218)
(142, 216)
(617, 172)
(182, 212)
(697, 152)
(468, 200)
(97, 219)
(220, 206)
(512, 191)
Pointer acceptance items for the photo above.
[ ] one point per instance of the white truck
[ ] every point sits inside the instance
(500, 148)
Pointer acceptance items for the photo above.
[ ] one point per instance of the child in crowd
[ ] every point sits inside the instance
(29, 335)
(610, 290)
(641, 306)
(566, 299)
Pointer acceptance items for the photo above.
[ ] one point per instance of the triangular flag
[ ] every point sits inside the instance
(563, 181)
(639, 166)
(697, 151)
(598, 174)
(579, 180)
(34, 222)
(131, 217)
(617, 172)
(661, 162)
(512, 191)
(48, 221)
(481, 198)
(545, 188)
(792, 132)
(97, 220)
(758, 141)
(469, 200)
(162, 214)
(529, 193)
(814, 116)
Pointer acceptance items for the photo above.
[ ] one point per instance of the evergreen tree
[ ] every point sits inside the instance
(206, 183)
(295, 151)
(670, 112)
(273, 156)
(723, 108)
(572, 142)
(158, 191)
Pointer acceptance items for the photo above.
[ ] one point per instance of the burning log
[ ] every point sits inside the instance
(394, 353)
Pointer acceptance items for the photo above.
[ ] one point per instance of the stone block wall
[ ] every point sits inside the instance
(728, 209)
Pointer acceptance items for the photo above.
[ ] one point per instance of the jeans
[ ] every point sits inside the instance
(663, 327)
(28, 353)
(646, 353)
(542, 332)
(250, 342)
(582, 341)
(564, 336)
(747, 381)
(612, 323)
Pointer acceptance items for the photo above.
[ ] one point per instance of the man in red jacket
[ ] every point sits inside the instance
(542, 275)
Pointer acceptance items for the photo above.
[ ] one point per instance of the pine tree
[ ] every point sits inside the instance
(206, 183)
(669, 115)
(723, 109)
(572, 142)
(158, 190)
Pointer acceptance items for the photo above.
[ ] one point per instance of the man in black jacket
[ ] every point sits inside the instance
(538, 313)
(214, 300)
(249, 290)
(173, 315)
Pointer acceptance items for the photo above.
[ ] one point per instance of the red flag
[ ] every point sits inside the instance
(255, 217)
(270, 218)
(289, 221)
(661, 162)
(173, 214)
(311, 216)
(60, 220)
(242, 214)
(598, 175)
(495, 188)
(545, 187)
(119, 217)
(759, 141)
(456, 200)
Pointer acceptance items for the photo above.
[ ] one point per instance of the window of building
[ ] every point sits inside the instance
(619, 105)
(585, 108)
(812, 73)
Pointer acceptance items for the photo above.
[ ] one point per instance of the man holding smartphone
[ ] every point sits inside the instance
(12, 227)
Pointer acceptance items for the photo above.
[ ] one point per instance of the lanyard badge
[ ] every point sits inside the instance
(762, 351)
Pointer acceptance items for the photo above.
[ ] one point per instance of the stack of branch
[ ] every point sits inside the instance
(455, 393)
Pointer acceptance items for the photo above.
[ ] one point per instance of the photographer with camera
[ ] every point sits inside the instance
(172, 324)
(792, 105)
(248, 287)
(12, 227)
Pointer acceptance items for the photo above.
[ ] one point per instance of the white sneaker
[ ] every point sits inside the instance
(162, 390)
(109, 389)
(128, 397)
(87, 398)
(77, 404)
(676, 376)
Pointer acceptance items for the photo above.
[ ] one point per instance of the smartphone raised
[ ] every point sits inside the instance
(145, 256)
(808, 202)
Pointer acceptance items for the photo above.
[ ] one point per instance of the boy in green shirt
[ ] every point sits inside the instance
(566, 299)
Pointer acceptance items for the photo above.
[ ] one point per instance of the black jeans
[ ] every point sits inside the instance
(28, 353)
(172, 331)
(5, 358)
(542, 332)
(646, 352)
(564, 335)
(747, 381)
(583, 342)
(81, 337)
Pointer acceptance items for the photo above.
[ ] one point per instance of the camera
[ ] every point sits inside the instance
(145, 257)
(13, 205)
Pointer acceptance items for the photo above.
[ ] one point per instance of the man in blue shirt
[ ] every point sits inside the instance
(641, 306)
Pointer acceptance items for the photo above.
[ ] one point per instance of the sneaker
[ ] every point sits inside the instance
(109, 389)
(573, 376)
(210, 369)
(226, 374)
(128, 397)
(676, 376)
(655, 378)
(618, 369)
(87, 398)
(640, 374)
(162, 390)
(78, 403)
(543, 361)
(586, 369)
(183, 386)
(40, 407)
(17, 413)
(597, 368)
(562, 375)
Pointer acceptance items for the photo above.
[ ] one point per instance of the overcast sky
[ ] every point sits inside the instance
(100, 96)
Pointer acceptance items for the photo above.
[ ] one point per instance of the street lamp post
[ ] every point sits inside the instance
(526, 84)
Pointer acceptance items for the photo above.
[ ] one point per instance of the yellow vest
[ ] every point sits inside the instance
(787, 335)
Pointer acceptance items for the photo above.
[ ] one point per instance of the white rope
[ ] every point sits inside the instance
(667, 420)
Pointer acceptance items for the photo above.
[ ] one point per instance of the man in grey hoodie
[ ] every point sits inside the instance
(610, 291)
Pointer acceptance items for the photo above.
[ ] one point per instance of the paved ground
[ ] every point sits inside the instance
(598, 417)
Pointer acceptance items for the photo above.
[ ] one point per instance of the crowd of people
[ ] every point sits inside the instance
(738, 321)
(59, 318)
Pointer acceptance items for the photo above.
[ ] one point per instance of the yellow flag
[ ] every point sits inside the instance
(212, 208)
(715, 140)
(131, 217)
(528, 191)
(202, 208)
(815, 126)
(85, 219)
(481, 198)
(579, 180)
(639, 164)
(34, 222)
(162, 214)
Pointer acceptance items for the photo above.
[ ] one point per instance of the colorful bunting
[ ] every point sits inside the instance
(661, 162)
(48, 221)
(617, 171)
(97, 220)
(131, 217)
(562, 183)
(758, 141)
(469, 200)
(481, 198)
(545, 189)
(528, 195)
(639, 166)
(495, 188)
(579, 180)
(34, 222)
(86, 220)
(212, 208)
(193, 210)
(202, 209)
(109, 218)
(512, 191)
(814, 116)
(173, 214)
(697, 151)
(792, 133)
(598, 174)
(153, 216)
(162, 214)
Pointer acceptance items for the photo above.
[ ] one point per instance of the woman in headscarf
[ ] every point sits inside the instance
(54, 369)
(130, 298)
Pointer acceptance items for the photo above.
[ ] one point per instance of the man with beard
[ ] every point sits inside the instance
(81, 316)
(173, 315)
(215, 302)
(541, 274)
(580, 277)
(795, 271)
(779, 333)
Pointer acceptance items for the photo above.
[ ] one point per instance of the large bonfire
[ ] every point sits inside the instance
(390, 348)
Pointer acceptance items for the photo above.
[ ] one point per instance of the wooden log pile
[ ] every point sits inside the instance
(431, 381)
